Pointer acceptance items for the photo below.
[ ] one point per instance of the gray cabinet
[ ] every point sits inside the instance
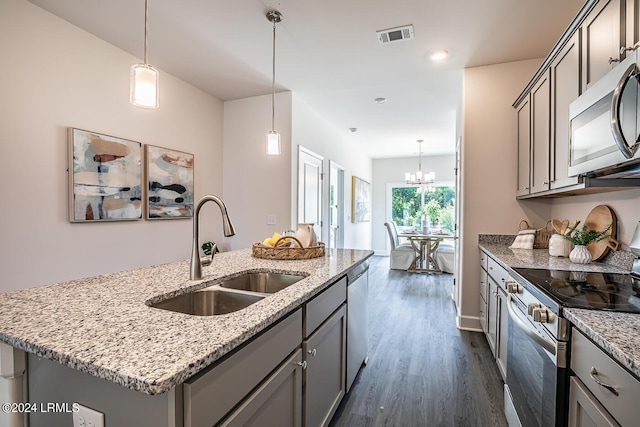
(277, 402)
(493, 315)
(613, 391)
(540, 133)
(523, 186)
(584, 408)
(324, 376)
(603, 34)
(211, 394)
(565, 88)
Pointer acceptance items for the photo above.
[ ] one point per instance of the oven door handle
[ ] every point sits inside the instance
(616, 127)
(531, 333)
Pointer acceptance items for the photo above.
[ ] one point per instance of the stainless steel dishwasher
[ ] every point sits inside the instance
(357, 320)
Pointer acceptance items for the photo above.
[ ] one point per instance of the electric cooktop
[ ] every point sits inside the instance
(577, 289)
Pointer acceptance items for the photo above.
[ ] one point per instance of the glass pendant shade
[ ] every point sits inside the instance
(273, 143)
(144, 86)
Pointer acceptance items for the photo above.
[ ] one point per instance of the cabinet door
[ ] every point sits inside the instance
(483, 315)
(524, 147)
(603, 33)
(277, 402)
(540, 133)
(492, 318)
(502, 332)
(565, 83)
(324, 376)
(584, 408)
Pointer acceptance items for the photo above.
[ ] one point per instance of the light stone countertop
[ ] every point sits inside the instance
(103, 326)
(618, 334)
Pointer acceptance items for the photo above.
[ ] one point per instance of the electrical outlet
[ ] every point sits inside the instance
(271, 219)
(87, 417)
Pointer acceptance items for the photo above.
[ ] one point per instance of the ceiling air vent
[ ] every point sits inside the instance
(395, 34)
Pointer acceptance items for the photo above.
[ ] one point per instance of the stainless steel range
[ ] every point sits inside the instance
(536, 390)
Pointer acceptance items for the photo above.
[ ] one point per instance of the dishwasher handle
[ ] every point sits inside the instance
(357, 272)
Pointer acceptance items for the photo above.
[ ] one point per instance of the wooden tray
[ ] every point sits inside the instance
(599, 219)
(261, 250)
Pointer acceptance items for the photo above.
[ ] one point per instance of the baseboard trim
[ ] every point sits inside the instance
(468, 323)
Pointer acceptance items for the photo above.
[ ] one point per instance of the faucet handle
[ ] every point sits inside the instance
(208, 259)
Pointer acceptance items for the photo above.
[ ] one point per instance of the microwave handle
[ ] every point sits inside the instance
(626, 150)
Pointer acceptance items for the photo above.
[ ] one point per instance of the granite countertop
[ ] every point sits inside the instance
(103, 326)
(616, 333)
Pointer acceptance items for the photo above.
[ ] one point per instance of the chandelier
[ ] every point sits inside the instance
(419, 177)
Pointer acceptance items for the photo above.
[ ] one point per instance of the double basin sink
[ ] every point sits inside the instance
(229, 295)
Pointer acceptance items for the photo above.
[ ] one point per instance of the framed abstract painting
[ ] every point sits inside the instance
(105, 177)
(169, 176)
(360, 200)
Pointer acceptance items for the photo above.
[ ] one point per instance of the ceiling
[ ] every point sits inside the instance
(328, 54)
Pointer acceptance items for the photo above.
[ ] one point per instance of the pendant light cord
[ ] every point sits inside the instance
(420, 156)
(146, 29)
(273, 80)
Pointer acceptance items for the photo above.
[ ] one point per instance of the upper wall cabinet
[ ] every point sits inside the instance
(565, 87)
(592, 45)
(603, 34)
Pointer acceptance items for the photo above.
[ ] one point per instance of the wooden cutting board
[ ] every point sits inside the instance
(599, 219)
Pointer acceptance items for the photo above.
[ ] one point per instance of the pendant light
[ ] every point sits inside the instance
(273, 137)
(419, 177)
(144, 78)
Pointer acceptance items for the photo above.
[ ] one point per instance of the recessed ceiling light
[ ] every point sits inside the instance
(353, 130)
(380, 100)
(439, 55)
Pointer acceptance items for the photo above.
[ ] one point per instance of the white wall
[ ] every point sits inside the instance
(391, 171)
(626, 205)
(489, 169)
(255, 184)
(55, 76)
(313, 132)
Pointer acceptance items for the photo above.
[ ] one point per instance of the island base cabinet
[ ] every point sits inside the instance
(277, 402)
(584, 408)
(324, 375)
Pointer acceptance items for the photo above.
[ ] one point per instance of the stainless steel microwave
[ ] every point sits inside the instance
(605, 121)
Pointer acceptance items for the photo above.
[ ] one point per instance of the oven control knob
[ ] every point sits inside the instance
(532, 306)
(514, 288)
(542, 315)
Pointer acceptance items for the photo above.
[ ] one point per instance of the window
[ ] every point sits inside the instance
(410, 204)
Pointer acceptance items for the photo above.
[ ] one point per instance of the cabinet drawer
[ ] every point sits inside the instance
(498, 273)
(320, 307)
(586, 356)
(484, 259)
(209, 395)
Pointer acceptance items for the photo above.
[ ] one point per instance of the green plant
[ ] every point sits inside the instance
(585, 236)
(207, 246)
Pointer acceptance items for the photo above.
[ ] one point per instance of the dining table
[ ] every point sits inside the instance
(425, 245)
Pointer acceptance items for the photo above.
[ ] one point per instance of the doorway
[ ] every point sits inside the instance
(310, 167)
(336, 205)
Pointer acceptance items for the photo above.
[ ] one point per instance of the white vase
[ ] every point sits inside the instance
(559, 246)
(306, 234)
(580, 255)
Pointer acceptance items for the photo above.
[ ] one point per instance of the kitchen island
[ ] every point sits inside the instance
(104, 326)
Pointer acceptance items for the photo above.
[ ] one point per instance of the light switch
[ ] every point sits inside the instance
(271, 219)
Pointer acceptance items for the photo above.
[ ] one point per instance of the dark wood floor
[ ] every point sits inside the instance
(422, 370)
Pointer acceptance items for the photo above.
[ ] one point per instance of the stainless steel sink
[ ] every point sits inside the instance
(262, 282)
(208, 302)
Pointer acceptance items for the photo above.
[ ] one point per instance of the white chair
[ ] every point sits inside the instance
(445, 257)
(401, 255)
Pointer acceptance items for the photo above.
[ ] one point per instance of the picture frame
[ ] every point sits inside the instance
(360, 200)
(169, 180)
(105, 177)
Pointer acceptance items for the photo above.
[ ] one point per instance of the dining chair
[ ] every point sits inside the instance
(402, 255)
